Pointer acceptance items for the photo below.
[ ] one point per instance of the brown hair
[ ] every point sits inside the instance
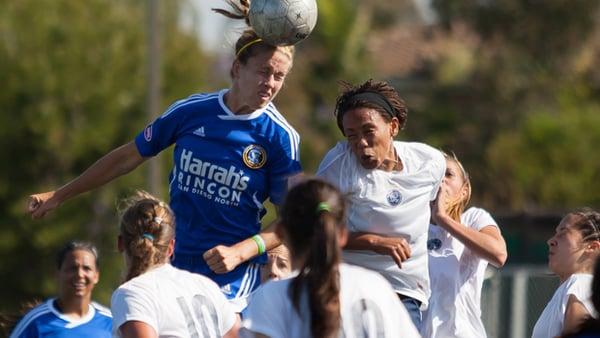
(456, 207)
(247, 44)
(8, 322)
(73, 246)
(588, 224)
(312, 215)
(146, 228)
(345, 103)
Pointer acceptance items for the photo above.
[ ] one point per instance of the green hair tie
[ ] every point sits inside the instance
(323, 206)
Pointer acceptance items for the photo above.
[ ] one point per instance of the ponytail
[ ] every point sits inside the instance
(240, 10)
(147, 227)
(311, 229)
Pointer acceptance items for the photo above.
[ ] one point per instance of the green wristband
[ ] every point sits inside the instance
(260, 243)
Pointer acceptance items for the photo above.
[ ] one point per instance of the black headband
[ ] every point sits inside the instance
(375, 98)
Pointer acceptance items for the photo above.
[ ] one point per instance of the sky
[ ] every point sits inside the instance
(218, 33)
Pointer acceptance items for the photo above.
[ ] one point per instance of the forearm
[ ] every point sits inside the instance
(116, 163)
(248, 249)
(361, 241)
(487, 243)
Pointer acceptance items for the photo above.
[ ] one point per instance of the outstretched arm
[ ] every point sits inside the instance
(118, 162)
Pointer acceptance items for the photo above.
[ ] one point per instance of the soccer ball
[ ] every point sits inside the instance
(283, 22)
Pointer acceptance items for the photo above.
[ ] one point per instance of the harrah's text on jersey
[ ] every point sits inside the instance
(225, 186)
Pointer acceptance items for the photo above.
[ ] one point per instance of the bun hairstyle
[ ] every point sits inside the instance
(249, 43)
(377, 95)
(588, 224)
(456, 207)
(147, 226)
(312, 216)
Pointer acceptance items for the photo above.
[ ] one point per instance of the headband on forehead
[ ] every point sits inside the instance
(257, 40)
(375, 98)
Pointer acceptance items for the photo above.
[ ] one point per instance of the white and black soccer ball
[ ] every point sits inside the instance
(283, 22)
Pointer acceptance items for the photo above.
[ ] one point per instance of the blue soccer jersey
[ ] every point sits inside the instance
(45, 321)
(225, 167)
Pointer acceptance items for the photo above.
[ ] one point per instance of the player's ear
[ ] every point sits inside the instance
(235, 69)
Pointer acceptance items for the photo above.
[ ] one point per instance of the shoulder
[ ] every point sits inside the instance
(101, 310)
(477, 218)
(36, 314)
(422, 150)
(281, 126)
(334, 155)
(191, 103)
(578, 283)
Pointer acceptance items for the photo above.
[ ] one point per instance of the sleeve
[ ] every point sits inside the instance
(163, 131)
(478, 218)
(263, 315)
(581, 288)
(25, 329)
(129, 305)
(286, 163)
(330, 168)
(438, 170)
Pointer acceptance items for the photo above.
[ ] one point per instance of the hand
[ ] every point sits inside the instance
(40, 204)
(395, 247)
(439, 205)
(222, 259)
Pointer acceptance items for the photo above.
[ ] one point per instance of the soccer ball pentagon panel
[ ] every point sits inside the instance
(283, 22)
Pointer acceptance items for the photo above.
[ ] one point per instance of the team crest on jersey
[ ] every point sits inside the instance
(148, 133)
(434, 244)
(394, 198)
(254, 156)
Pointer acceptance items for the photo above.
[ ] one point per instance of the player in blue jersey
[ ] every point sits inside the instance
(72, 313)
(233, 150)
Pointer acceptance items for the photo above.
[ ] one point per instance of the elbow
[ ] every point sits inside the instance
(499, 259)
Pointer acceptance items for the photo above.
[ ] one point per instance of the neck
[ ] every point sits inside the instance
(392, 162)
(75, 307)
(232, 101)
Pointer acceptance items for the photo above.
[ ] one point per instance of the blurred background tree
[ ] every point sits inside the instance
(511, 86)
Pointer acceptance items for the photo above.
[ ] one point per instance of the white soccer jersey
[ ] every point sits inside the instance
(176, 303)
(552, 319)
(456, 275)
(368, 306)
(390, 204)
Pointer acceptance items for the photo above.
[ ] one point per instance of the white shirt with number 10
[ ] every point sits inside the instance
(174, 302)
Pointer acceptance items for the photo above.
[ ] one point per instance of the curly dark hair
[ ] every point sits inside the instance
(345, 102)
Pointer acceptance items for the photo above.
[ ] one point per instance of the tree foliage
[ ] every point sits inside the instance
(73, 88)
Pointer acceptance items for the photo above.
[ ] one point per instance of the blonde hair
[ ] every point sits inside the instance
(147, 225)
(249, 43)
(457, 206)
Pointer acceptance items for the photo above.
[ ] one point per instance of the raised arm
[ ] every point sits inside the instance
(487, 243)
(118, 162)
